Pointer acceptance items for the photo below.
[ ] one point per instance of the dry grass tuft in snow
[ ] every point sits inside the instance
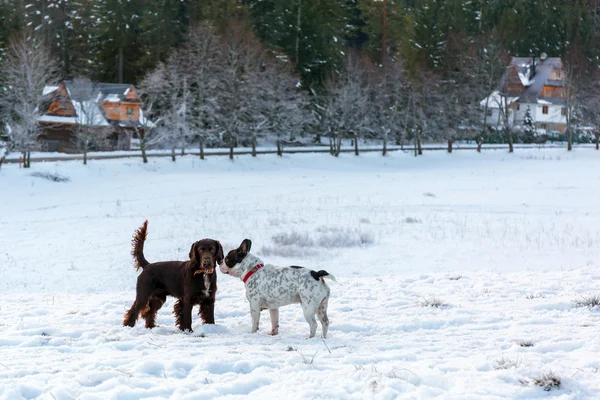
(51, 177)
(432, 302)
(547, 381)
(526, 343)
(532, 296)
(590, 301)
(506, 363)
(329, 237)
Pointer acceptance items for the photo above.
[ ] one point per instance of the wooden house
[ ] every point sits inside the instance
(534, 84)
(113, 110)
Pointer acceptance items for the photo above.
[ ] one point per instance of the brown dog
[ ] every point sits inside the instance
(191, 282)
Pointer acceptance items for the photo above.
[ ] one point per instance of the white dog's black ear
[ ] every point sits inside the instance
(245, 246)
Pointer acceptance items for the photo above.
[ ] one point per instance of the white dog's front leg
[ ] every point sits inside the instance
(274, 320)
(255, 313)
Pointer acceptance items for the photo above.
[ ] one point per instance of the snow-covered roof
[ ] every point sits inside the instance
(495, 100)
(89, 113)
(525, 80)
(112, 97)
(542, 76)
(49, 89)
(57, 119)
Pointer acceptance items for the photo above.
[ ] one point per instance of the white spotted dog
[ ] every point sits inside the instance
(270, 287)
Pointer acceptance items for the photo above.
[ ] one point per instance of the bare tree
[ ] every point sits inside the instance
(27, 68)
(90, 125)
(489, 67)
(589, 106)
(168, 89)
(576, 83)
(346, 104)
(504, 100)
(386, 102)
(242, 58)
(203, 52)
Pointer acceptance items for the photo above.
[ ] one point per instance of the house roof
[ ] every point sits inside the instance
(495, 100)
(108, 91)
(86, 98)
(541, 78)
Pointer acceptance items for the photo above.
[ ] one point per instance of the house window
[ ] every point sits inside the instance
(563, 111)
(545, 110)
(489, 112)
(547, 92)
(130, 111)
(63, 106)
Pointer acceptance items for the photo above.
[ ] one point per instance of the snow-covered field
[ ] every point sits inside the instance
(505, 242)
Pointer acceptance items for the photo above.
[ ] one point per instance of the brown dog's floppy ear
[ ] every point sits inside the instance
(194, 262)
(220, 255)
(245, 246)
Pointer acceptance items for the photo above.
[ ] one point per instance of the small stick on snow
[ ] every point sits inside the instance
(325, 343)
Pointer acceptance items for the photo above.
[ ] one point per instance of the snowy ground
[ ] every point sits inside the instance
(506, 242)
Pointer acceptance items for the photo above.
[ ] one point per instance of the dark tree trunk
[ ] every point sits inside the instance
(201, 144)
(569, 140)
(419, 144)
(1, 161)
(331, 145)
(279, 148)
(85, 148)
(231, 149)
(597, 142)
(416, 146)
(182, 149)
(511, 148)
(28, 159)
(338, 145)
(449, 145)
(479, 144)
(384, 151)
(121, 64)
(253, 146)
(143, 149)
(355, 145)
(173, 153)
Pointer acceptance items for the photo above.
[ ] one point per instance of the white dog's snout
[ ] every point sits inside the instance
(224, 268)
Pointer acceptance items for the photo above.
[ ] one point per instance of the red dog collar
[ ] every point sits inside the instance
(252, 271)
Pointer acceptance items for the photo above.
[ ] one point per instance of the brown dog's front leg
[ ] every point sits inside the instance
(186, 316)
(207, 311)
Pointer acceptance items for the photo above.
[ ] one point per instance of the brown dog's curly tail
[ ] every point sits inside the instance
(138, 246)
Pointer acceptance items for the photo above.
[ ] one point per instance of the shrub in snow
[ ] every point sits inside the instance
(588, 301)
(327, 237)
(432, 302)
(51, 177)
(526, 343)
(293, 238)
(547, 381)
(506, 363)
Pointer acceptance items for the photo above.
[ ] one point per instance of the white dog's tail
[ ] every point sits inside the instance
(321, 275)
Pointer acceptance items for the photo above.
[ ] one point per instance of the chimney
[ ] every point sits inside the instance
(532, 73)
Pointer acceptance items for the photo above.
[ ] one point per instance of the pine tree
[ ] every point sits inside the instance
(529, 130)
(119, 35)
(311, 33)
